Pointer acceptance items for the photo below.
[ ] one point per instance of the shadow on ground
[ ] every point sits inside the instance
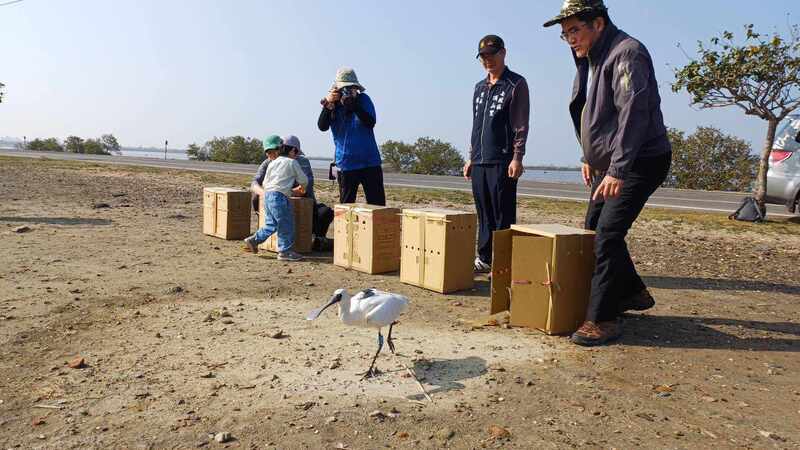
(57, 221)
(718, 284)
(445, 374)
(481, 288)
(710, 333)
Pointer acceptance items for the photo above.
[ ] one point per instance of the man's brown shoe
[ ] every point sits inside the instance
(640, 301)
(597, 333)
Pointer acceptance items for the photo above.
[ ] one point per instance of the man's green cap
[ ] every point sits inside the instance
(574, 7)
(273, 142)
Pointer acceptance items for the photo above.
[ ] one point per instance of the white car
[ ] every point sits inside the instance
(783, 177)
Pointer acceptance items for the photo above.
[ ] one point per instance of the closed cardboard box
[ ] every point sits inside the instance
(542, 274)
(366, 238)
(303, 211)
(226, 212)
(438, 249)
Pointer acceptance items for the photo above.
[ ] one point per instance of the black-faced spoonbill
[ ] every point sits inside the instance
(369, 308)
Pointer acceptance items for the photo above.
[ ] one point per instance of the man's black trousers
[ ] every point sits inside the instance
(323, 216)
(615, 278)
(370, 179)
(496, 202)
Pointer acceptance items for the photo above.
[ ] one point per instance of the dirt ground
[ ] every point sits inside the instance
(178, 332)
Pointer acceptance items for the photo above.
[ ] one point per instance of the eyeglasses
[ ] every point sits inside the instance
(572, 32)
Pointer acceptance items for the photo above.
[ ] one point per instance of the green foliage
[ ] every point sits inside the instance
(195, 152)
(235, 149)
(94, 147)
(45, 145)
(110, 143)
(710, 160)
(760, 75)
(427, 156)
(398, 155)
(73, 144)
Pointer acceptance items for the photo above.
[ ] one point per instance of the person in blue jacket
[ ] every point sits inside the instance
(350, 115)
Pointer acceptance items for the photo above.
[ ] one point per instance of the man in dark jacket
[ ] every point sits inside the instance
(500, 113)
(616, 111)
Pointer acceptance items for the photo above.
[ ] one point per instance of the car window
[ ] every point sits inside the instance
(788, 138)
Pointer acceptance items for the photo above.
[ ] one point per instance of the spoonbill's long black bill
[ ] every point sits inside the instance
(315, 313)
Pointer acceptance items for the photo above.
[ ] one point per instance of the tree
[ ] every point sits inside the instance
(435, 157)
(761, 76)
(94, 147)
(1, 92)
(427, 156)
(236, 149)
(710, 160)
(197, 153)
(398, 155)
(45, 145)
(74, 144)
(110, 144)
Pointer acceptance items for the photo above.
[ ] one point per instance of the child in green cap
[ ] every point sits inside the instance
(283, 173)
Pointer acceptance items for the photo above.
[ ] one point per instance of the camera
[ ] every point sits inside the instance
(348, 95)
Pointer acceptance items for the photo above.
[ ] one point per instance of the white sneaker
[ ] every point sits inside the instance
(482, 267)
(290, 255)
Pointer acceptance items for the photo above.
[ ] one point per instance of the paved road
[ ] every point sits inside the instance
(720, 202)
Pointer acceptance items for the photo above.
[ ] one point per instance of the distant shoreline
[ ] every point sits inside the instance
(314, 158)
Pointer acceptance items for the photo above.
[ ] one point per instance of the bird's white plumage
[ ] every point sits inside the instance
(372, 308)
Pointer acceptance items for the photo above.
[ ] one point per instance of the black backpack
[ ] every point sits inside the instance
(748, 211)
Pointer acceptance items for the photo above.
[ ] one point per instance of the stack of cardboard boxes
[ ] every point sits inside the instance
(542, 275)
(303, 212)
(438, 249)
(366, 238)
(226, 213)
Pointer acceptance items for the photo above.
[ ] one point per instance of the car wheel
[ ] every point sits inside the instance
(795, 206)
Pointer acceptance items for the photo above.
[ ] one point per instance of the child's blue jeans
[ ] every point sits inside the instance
(278, 218)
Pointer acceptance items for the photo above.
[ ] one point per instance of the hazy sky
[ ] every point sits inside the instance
(189, 70)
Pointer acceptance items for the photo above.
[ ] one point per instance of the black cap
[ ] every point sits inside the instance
(490, 45)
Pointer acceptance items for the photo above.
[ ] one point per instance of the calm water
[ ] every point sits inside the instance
(533, 175)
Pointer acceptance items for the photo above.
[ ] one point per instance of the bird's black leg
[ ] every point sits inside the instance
(389, 341)
(371, 372)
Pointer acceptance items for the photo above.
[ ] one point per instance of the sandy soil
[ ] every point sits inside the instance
(177, 333)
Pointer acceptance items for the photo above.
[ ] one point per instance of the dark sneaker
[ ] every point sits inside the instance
(290, 255)
(641, 301)
(482, 267)
(322, 244)
(597, 333)
(250, 244)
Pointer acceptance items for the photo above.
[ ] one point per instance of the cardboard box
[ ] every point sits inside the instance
(366, 238)
(543, 274)
(226, 213)
(438, 249)
(303, 210)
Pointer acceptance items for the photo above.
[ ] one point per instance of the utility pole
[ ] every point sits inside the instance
(24, 142)
(165, 149)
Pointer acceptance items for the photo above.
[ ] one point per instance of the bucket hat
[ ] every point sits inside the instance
(574, 7)
(346, 77)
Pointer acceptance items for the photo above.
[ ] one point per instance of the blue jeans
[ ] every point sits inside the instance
(278, 217)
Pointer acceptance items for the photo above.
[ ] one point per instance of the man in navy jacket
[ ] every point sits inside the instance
(501, 110)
